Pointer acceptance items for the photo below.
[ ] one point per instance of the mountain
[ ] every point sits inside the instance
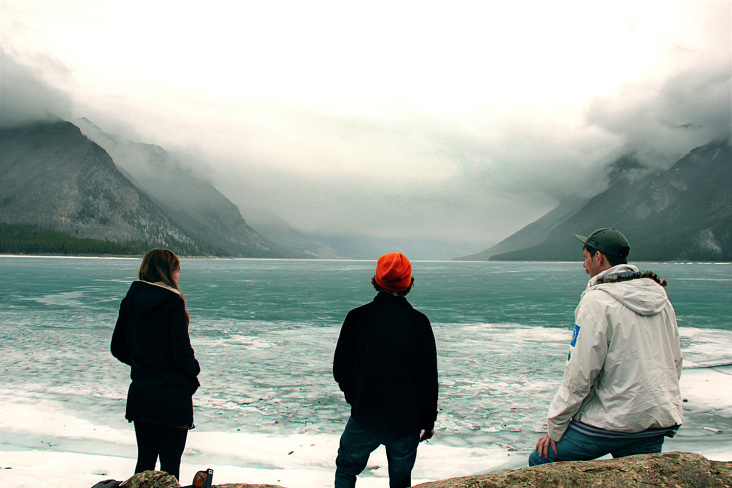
(278, 230)
(682, 214)
(371, 247)
(532, 234)
(54, 178)
(347, 246)
(192, 203)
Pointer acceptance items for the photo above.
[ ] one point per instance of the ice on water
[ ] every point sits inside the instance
(268, 410)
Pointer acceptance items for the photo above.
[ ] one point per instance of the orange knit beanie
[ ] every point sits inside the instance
(393, 272)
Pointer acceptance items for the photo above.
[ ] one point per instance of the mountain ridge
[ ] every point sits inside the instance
(681, 214)
(89, 184)
(532, 234)
(81, 193)
(54, 177)
(192, 203)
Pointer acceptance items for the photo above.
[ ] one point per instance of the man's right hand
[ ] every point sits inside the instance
(427, 434)
(542, 447)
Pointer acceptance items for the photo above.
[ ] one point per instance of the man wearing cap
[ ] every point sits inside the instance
(386, 365)
(620, 390)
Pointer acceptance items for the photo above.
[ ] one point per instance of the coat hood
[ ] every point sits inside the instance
(146, 296)
(641, 291)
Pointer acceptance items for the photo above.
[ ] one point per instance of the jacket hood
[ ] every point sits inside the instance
(148, 296)
(641, 291)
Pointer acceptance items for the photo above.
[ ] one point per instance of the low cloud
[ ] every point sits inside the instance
(26, 97)
(690, 109)
(437, 128)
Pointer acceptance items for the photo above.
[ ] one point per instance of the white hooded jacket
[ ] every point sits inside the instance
(622, 372)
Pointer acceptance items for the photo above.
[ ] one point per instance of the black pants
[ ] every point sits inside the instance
(154, 441)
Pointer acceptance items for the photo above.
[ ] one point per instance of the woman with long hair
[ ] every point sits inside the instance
(151, 335)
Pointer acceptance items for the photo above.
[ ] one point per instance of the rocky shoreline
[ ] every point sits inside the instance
(672, 469)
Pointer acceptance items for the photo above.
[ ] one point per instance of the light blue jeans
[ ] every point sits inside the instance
(358, 443)
(576, 446)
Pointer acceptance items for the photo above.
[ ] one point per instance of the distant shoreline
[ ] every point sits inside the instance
(224, 258)
(217, 258)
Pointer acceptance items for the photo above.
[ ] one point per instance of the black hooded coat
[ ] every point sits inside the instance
(151, 335)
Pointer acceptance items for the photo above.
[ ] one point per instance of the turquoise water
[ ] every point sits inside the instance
(264, 332)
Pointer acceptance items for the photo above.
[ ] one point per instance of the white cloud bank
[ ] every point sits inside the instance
(455, 119)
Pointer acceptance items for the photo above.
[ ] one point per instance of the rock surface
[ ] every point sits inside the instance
(151, 479)
(673, 469)
(160, 479)
(668, 470)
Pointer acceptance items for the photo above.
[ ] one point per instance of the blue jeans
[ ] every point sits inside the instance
(576, 446)
(356, 446)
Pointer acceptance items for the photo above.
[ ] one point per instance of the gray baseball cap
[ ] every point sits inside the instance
(608, 241)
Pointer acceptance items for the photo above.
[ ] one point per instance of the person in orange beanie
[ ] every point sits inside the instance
(385, 363)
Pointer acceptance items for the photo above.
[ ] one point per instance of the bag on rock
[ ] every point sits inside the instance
(107, 484)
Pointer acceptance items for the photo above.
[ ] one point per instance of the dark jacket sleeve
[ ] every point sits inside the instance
(428, 388)
(343, 359)
(183, 356)
(121, 347)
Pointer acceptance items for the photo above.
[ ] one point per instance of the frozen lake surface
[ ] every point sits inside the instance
(264, 332)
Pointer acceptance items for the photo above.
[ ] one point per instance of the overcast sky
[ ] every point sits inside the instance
(435, 119)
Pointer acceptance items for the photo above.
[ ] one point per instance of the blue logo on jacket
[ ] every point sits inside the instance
(574, 335)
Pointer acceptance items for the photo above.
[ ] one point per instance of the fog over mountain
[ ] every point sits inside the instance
(52, 177)
(682, 214)
(61, 192)
(195, 206)
(464, 123)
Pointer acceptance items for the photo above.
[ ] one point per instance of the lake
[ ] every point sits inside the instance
(264, 332)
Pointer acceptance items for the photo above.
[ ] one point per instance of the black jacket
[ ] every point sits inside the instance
(151, 336)
(386, 365)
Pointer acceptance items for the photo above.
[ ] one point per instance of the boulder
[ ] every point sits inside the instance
(151, 479)
(673, 469)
